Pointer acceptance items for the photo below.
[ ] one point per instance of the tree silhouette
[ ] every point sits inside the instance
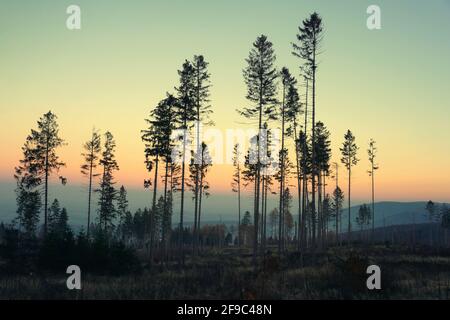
(338, 201)
(287, 114)
(293, 110)
(28, 196)
(323, 156)
(122, 210)
(157, 138)
(236, 183)
(305, 163)
(54, 213)
(260, 78)
(309, 38)
(364, 217)
(198, 169)
(91, 155)
(202, 112)
(349, 150)
(58, 220)
(107, 191)
(372, 153)
(432, 214)
(186, 114)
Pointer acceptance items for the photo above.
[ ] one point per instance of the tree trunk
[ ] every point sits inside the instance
(46, 189)
(281, 204)
(181, 234)
(373, 201)
(313, 180)
(153, 213)
(199, 206)
(165, 218)
(89, 196)
(239, 205)
(349, 214)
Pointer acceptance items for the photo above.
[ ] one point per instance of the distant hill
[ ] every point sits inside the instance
(219, 207)
(393, 213)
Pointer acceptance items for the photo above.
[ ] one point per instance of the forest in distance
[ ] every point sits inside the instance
(312, 244)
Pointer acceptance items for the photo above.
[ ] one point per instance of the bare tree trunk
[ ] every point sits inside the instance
(181, 234)
(313, 180)
(349, 214)
(373, 201)
(46, 189)
(153, 213)
(281, 205)
(239, 205)
(299, 181)
(305, 178)
(319, 209)
(265, 214)
(263, 197)
(199, 205)
(89, 196)
(164, 229)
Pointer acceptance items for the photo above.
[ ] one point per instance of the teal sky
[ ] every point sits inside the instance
(390, 84)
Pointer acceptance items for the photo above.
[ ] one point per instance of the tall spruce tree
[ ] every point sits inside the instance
(349, 150)
(372, 153)
(293, 110)
(287, 113)
(202, 112)
(42, 145)
(236, 183)
(186, 114)
(260, 78)
(309, 37)
(157, 138)
(107, 191)
(91, 155)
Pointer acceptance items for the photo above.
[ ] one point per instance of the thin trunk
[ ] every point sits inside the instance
(89, 194)
(281, 205)
(319, 208)
(263, 188)
(349, 218)
(299, 181)
(164, 229)
(181, 235)
(373, 202)
(153, 213)
(258, 179)
(337, 205)
(305, 177)
(239, 204)
(265, 213)
(313, 182)
(199, 206)
(46, 188)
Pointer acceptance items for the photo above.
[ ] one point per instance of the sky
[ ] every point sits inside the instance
(389, 84)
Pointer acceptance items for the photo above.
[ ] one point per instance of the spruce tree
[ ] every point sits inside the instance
(260, 78)
(309, 38)
(372, 153)
(107, 191)
(349, 150)
(186, 114)
(91, 155)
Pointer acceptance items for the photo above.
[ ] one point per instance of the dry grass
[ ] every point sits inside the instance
(338, 273)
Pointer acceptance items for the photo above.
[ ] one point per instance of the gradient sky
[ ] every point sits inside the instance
(390, 84)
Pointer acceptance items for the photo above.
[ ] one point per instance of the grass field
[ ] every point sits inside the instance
(337, 273)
